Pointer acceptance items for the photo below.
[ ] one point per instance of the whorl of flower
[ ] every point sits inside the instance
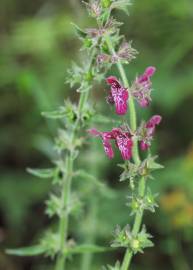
(125, 53)
(147, 131)
(95, 32)
(103, 58)
(142, 87)
(109, 28)
(122, 139)
(94, 8)
(118, 95)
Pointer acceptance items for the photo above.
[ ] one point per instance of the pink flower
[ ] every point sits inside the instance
(106, 136)
(118, 95)
(147, 131)
(142, 87)
(144, 146)
(153, 121)
(122, 139)
(124, 144)
(147, 75)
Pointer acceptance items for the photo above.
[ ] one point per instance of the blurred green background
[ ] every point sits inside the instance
(37, 46)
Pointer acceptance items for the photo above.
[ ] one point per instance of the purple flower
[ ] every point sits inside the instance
(142, 87)
(122, 139)
(106, 136)
(153, 121)
(147, 131)
(144, 146)
(118, 95)
(124, 143)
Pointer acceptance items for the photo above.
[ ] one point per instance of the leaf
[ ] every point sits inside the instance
(152, 164)
(79, 31)
(116, 267)
(144, 241)
(75, 75)
(53, 206)
(27, 251)
(103, 188)
(51, 242)
(105, 3)
(42, 173)
(130, 171)
(89, 177)
(122, 237)
(87, 248)
(57, 114)
(121, 5)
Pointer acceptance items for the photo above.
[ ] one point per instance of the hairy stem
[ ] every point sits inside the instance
(66, 187)
(63, 226)
(133, 124)
(66, 191)
(136, 227)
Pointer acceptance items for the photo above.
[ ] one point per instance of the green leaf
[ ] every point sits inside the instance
(152, 164)
(90, 177)
(79, 31)
(121, 5)
(122, 237)
(27, 251)
(75, 75)
(87, 248)
(142, 241)
(150, 202)
(53, 206)
(42, 173)
(103, 188)
(116, 267)
(51, 243)
(130, 171)
(105, 3)
(57, 114)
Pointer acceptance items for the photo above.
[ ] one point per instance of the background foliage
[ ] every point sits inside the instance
(37, 46)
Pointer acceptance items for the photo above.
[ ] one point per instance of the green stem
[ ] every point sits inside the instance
(133, 124)
(63, 226)
(136, 227)
(66, 187)
(66, 191)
